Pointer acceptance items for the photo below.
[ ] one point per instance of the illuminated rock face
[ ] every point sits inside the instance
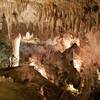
(62, 43)
(77, 63)
(98, 73)
(58, 43)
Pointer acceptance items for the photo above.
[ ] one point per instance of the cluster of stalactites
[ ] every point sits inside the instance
(51, 18)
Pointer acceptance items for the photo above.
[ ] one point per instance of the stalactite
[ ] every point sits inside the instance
(48, 14)
(97, 19)
(65, 22)
(68, 21)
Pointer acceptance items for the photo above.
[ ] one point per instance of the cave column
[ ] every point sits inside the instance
(16, 47)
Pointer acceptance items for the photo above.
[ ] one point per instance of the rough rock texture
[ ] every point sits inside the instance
(28, 84)
(48, 18)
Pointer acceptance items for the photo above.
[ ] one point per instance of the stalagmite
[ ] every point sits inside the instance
(16, 47)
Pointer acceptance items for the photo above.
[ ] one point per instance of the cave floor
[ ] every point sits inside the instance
(25, 83)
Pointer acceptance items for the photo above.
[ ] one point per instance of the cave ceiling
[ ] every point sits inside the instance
(51, 15)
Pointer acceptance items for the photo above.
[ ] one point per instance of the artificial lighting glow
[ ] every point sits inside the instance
(67, 41)
(42, 72)
(77, 63)
(98, 74)
(29, 38)
(71, 88)
(38, 67)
